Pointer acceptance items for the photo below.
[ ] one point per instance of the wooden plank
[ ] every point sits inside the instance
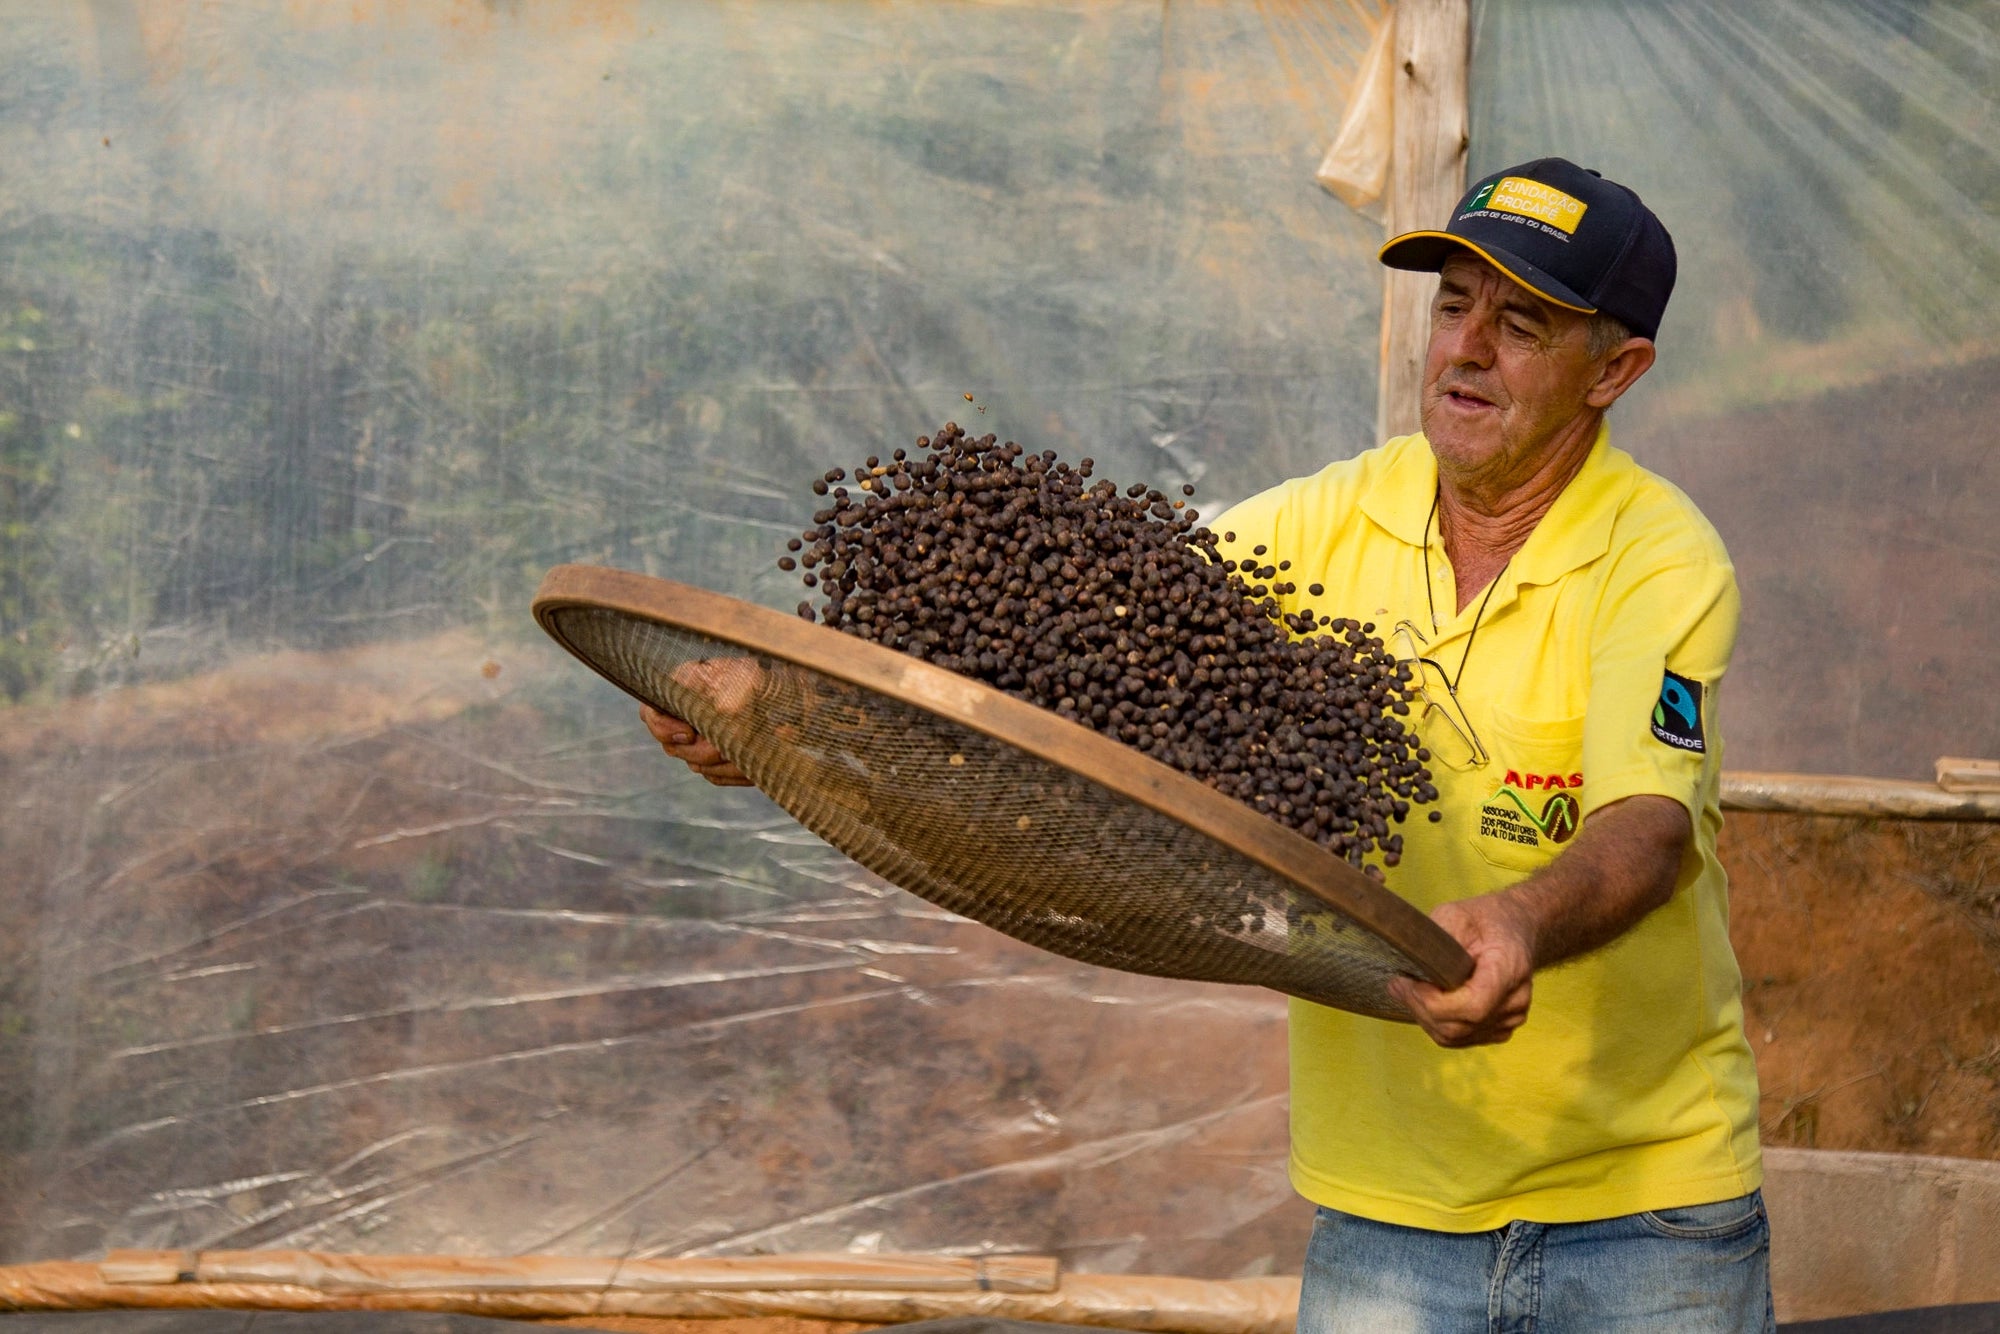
(326, 1272)
(1868, 798)
(1426, 177)
(146, 1266)
(1958, 774)
(1151, 1303)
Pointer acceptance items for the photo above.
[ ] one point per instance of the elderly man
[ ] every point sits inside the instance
(1567, 1141)
(1570, 616)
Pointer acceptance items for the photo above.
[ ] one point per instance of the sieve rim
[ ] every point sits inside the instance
(1054, 740)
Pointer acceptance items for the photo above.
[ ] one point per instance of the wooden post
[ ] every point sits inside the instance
(1426, 177)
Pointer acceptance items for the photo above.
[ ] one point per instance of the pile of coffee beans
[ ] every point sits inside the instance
(1114, 609)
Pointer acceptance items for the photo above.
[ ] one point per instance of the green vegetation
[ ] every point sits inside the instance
(343, 338)
(36, 416)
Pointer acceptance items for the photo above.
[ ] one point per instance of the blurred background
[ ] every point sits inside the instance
(343, 911)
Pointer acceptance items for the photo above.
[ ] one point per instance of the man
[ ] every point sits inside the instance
(1570, 616)
(1567, 1141)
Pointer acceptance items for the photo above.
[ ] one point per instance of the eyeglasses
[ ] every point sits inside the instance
(1456, 744)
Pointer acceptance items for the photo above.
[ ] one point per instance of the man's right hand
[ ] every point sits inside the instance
(682, 742)
(1489, 1005)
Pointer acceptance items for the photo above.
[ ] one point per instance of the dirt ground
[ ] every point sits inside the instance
(1860, 521)
(1871, 965)
(384, 950)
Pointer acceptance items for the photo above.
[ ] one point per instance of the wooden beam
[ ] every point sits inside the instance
(1149, 1303)
(1867, 798)
(1957, 774)
(1426, 177)
(838, 1272)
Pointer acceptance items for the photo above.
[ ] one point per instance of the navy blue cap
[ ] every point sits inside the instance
(1562, 232)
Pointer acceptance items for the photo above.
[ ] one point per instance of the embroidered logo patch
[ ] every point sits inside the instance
(1531, 199)
(1509, 814)
(1677, 717)
(1560, 817)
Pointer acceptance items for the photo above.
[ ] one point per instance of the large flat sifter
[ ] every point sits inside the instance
(998, 810)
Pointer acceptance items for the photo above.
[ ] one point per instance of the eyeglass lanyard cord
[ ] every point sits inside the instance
(1451, 682)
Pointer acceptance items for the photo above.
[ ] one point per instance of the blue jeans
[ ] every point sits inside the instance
(1704, 1269)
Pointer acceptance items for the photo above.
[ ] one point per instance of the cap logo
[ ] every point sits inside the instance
(1531, 199)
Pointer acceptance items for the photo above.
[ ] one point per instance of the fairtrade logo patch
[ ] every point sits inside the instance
(1677, 717)
(1531, 199)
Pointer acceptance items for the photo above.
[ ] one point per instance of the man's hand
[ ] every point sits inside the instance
(682, 742)
(1622, 865)
(1488, 1006)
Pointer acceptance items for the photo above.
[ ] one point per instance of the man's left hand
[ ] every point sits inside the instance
(1488, 1006)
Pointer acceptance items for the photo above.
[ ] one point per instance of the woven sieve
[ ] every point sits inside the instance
(998, 810)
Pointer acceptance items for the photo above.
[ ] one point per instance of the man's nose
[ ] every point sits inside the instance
(1469, 342)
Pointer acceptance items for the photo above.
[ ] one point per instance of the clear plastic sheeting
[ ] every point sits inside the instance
(346, 913)
(1829, 370)
(343, 913)
(504, 982)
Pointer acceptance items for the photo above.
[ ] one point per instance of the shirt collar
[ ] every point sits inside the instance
(1399, 499)
(1577, 528)
(1575, 531)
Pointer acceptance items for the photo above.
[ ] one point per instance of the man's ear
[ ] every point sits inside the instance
(1621, 370)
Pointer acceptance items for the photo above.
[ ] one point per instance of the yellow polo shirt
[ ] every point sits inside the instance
(1592, 678)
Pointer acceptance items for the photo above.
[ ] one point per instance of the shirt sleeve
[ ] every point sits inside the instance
(1661, 638)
